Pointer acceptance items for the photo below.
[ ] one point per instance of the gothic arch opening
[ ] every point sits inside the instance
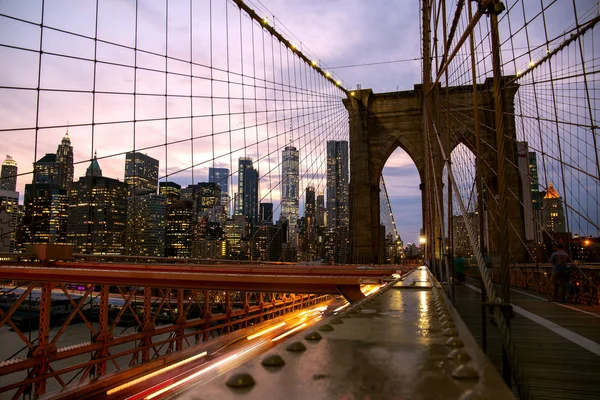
(402, 180)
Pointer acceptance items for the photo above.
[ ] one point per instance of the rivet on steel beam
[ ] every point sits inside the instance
(473, 394)
(326, 328)
(454, 342)
(465, 371)
(242, 380)
(336, 321)
(313, 336)
(459, 355)
(445, 318)
(448, 324)
(274, 360)
(296, 346)
(450, 332)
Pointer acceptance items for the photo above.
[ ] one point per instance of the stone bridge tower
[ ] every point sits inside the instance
(380, 123)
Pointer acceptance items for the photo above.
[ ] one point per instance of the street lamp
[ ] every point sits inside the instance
(422, 239)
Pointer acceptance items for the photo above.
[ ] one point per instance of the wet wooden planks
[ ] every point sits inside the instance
(555, 367)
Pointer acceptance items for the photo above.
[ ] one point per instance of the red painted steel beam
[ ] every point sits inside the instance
(346, 270)
(187, 280)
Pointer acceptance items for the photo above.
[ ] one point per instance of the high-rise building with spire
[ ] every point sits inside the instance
(8, 179)
(553, 212)
(64, 163)
(289, 197)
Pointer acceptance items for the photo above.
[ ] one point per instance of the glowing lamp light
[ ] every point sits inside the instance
(586, 242)
(518, 73)
(294, 46)
(352, 93)
(422, 239)
(313, 62)
(266, 20)
(531, 63)
(338, 83)
(327, 74)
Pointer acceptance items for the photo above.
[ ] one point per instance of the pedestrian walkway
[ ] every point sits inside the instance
(558, 344)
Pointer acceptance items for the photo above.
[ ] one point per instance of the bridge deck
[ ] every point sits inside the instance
(558, 343)
(392, 345)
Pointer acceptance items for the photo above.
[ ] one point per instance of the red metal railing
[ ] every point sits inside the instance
(126, 326)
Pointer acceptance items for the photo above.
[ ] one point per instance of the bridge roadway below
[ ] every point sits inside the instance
(405, 341)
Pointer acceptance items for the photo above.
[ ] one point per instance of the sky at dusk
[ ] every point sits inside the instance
(211, 39)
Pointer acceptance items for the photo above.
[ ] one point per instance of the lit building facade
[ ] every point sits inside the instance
(171, 191)
(247, 196)
(266, 213)
(141, 173)
(9, 218)
(235, 232)
(553, 213)
(146, 225)
(220, 176)
(337, 200)
(243, 164)
(526, 193)
(180, 229)
(289, 197)
(64, 163)
(46, 170)
(45, 214)
(8, 174)
(97, 213)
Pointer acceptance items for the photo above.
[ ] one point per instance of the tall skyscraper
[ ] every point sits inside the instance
(553, 211)
(266, 213)
(64, 163)
(320, 210)
(46, 170)
(8, 178)
(180, 229)
(220, 176)
(536, 200)
(97, 213)
(45, 213)
(146, 225)
(171, 191)
(527, 203)
(289, 196)
(243, 164)
(141, 173)
(337, 199)
(247, 203)
(337, 184)
(9, 216)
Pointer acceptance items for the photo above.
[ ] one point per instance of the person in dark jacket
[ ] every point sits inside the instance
(559, 260)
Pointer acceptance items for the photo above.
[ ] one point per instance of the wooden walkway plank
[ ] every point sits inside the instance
(555, 367)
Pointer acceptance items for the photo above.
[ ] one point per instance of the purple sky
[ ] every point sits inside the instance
(336, 33)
